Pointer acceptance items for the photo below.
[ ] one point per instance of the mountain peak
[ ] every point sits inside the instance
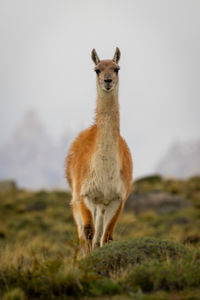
(182, 160)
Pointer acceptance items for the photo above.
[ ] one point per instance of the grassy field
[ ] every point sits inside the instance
(154, 256)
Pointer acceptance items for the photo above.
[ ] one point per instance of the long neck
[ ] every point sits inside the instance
(107, 117)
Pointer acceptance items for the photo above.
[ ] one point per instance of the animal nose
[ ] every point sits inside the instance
(108, 80)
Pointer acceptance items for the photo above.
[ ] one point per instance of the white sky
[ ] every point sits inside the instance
(45, 64)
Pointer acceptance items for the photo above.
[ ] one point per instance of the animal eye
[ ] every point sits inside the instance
(97, 71)
(116, 70)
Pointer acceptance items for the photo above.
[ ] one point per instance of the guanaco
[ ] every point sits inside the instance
(99, 164)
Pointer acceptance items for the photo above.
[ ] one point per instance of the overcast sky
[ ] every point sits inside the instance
(45, 64)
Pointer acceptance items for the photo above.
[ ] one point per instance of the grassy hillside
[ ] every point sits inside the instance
(155, 256)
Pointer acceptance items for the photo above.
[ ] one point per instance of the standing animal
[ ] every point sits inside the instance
(99, 164)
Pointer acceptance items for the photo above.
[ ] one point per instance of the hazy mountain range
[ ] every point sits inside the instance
(31, 158)
(182, 160)
(35, 161)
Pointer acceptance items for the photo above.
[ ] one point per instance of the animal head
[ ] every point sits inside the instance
(107, 71)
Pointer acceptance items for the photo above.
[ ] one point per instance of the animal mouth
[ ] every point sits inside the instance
(108, 87)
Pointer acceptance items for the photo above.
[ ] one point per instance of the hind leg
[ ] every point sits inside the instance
(88, 225)
(111, 216)
(77, 218)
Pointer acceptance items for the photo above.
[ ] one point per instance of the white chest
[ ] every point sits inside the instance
(104, 184)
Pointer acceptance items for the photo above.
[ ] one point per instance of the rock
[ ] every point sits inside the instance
(7, 185)
(36, 207)
(160, 202)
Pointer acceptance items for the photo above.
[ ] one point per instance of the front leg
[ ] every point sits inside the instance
(111, 216)
(98, 226)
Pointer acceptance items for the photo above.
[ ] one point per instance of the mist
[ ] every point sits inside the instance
(46, 66)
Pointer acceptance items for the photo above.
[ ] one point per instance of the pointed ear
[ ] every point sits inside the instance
(117, 55)
(95, 57)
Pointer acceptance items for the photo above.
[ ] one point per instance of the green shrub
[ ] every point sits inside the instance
(119, 255)
(15, 294)
(155, 275)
